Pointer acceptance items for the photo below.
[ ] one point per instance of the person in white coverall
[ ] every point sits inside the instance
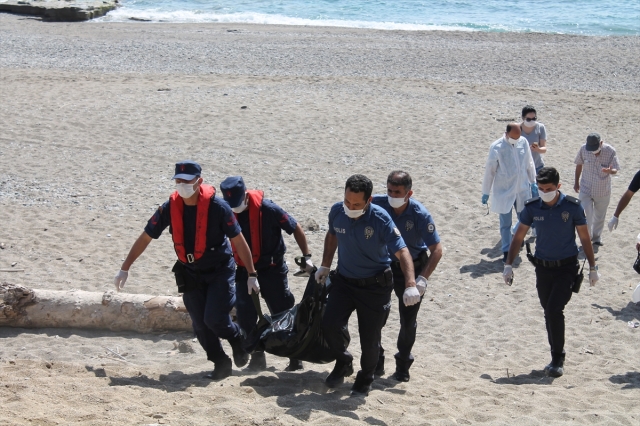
(509, 175)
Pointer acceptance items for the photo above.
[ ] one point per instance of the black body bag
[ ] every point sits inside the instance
(297, 332)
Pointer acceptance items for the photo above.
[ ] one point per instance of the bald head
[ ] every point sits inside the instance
(513, 130)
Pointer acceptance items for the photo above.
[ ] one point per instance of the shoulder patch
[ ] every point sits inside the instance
(574, 200)
(531, 200)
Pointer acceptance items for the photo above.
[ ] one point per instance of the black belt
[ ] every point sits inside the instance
(418, 263)
(550, 263)
(383, 279)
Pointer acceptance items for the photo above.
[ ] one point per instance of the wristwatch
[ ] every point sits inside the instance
(253, 274)
(308, 255)
(593, 268)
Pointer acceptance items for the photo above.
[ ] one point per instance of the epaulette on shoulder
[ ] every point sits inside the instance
(574, 200)
(531, 200)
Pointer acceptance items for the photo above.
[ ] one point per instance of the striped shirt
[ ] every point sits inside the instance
(594, 182)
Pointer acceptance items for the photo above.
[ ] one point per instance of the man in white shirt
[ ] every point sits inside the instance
(596, 162)
(509, 175)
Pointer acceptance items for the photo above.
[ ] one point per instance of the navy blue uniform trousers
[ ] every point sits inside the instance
(209, 309)
(408, 319)
(554, 291)
(274, 288)
(371, 304)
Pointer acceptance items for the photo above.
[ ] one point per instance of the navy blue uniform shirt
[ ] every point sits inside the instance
(222, 223)
(555, 226)
(415, 224)
(274, 220)
(364, 244)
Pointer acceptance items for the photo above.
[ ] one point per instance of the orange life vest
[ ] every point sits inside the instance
(255, 223)
(207, 192)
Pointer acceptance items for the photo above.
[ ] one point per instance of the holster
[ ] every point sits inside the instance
(530, 256)
(184, 280)
(577, 282)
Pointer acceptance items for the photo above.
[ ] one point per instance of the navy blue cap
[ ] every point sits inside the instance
(593, 142)
(187, 170)
(233, 190)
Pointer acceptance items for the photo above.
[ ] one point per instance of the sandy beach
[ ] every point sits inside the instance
(94, 116)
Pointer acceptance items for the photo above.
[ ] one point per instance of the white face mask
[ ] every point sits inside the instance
(186, 189)
(547, 197)
(597, 151)
(242, 207)
(353, 214)
(513, 141)
(531, 123)
(396, 203)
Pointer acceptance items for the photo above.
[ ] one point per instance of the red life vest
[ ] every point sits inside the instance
(207, 192)
(255, 223)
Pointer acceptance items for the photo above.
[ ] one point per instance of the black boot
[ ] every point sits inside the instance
(221, 370)
(240, 356)
(379, 371)
(294, 364)
(340, 371)
(362, 385)
(402, 369)
(258, 362)
(556, 368)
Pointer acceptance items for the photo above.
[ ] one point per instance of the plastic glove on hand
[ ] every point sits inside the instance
(252, 285)
(485, 198)
(612, 224)
(321, 274)
(507, 274)
(411, 296)
(534, 190)
(594, 276)
(421, 284)
(120, 279)
(309, 265)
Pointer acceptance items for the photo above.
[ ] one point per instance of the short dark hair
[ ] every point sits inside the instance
(548, 175)
(509, 128)
(527, 109)
(400, 178)
(359, 183)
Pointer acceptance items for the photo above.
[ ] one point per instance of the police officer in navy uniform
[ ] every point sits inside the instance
(557, 217)
(364, 235)
(419, 233)
(262, 222)
(201, 225)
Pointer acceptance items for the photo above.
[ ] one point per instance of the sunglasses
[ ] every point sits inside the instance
(531, 119)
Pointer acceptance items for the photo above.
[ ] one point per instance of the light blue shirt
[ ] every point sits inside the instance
(415, 224)
(364, 244)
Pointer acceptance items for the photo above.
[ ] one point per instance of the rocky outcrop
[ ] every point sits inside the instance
(60, 10)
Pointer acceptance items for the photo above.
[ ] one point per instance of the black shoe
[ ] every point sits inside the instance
(504, 256)
(340, 371)
(379, 371)
(556, 367)
(597, 243)
(258, 362)
(401, 376)
(361, 386)
(222, 370)
(294, 364)
(240, 356)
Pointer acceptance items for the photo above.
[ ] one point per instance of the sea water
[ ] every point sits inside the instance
(586, 17)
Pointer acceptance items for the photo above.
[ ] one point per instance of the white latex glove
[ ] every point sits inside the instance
(321, 274)
(421, 285)
(120, 279)
(411, 296)
(613, 223)
(507, 274)
(252, 285)
(594, 276)
(309, 267)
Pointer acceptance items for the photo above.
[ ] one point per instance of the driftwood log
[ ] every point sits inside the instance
(32, 308)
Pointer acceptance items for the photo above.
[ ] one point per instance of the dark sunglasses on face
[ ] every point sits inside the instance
(531, 119)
